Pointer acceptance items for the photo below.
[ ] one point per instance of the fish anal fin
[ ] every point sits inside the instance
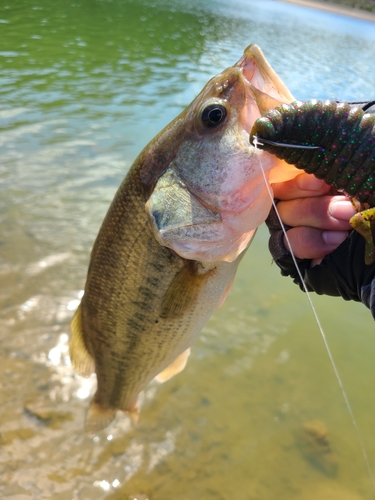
(81, 360)
(98, 418)
(175, 367)
(184, 289)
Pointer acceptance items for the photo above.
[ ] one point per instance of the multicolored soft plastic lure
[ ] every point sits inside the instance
(335, 141)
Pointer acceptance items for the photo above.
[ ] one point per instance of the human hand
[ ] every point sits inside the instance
(317, 227)
(318, 217)
(330, 257)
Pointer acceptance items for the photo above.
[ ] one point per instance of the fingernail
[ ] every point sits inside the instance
(309, 183)
(341, 209)
(334, 238)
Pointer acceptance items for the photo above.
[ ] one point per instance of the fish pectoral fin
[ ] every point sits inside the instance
(184, 289)
(81, 360)
(98, 418)
(175, 367)
(226, 292)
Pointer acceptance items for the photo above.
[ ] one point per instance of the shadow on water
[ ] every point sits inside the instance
(257, 414)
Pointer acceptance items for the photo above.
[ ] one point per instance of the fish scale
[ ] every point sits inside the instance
(151, 342)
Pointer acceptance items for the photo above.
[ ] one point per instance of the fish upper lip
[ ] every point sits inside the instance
(264, 88)
(259, 74)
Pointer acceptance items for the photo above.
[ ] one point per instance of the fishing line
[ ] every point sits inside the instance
(256, 142)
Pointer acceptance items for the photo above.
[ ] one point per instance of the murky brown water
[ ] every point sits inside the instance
(257, 414)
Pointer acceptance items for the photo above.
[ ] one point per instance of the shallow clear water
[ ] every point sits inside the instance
(84, 86)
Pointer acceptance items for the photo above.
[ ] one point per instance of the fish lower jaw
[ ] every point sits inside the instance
(210, 252)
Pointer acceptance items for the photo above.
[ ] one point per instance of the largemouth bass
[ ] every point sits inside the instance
(172, 239)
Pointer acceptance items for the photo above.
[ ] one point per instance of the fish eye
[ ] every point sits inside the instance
(213, 115)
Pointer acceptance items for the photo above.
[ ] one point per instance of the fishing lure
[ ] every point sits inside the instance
(335, 142)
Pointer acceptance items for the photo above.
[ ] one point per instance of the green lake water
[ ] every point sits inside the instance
(258, 413)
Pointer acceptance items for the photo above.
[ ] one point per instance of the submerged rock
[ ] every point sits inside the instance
(8, 437)
(313, 441)
(45, 413)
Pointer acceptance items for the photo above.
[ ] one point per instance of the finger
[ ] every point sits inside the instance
(310, 243)
(302, 186)
(324, 212)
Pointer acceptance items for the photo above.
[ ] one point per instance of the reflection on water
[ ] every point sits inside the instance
(84, 86)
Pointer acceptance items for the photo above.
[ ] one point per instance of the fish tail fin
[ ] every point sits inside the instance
(81, 359)
(98, 418)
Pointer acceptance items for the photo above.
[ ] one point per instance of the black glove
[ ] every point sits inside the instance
(341, 273)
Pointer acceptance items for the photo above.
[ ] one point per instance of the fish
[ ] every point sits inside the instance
(335, 141)
(169, 247)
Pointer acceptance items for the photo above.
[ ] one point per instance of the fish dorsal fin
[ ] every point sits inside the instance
(81, 359)
(184, 289)
(175, 367)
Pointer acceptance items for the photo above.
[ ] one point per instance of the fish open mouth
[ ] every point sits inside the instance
(266, 90)
(212, 196)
